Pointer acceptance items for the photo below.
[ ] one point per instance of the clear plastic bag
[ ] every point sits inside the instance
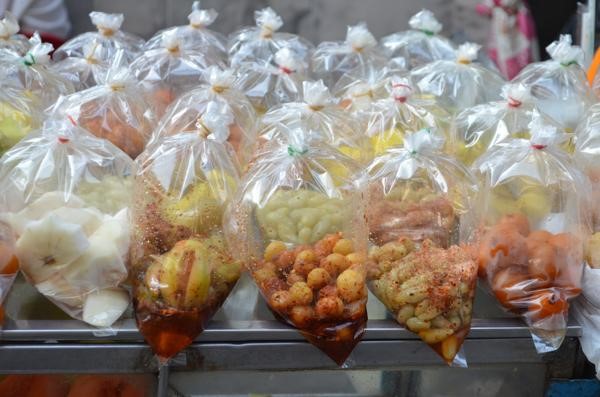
(9, 37)
(559, 85)
(66, 196)
(477, 129)
(9, 264)
(260, 43)
(404, 111)
(359, 53)
(420, 45)
(534, 226)
(298, 224)
(357, 93)
(271, 84)
(19, 114)
(183, 268)
(109, 39)
(167, 72)
(418, 199)
(84, 72)
(196, 36)
(461, 83)
(217, 99)
(114, 110)
(587, 149)
(320, 114)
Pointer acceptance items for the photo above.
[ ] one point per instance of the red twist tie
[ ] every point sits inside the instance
(537, 146)
(72, 120)
(400, 99)
(62, 139)
(286, 70)
(514, 103)
(397, 85)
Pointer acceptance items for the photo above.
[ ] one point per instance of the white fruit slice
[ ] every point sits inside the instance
(88, 218)
(39, 208)
(103, 308)
(115, 229)
(48, 245)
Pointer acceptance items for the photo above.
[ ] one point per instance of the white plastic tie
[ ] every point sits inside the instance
(287, 60)
(39, 53)
(200, 18)
(171, 40)
(268, 21)
(544, 135)
(467, 52)
(317, 95)
(401, 89)
(107, 24)
(360, 90)
(220, 79)
(91, 52)
(562, 51)
(422, 141)
(359, 37)
(215, 121)
(425, 22)
(516, 94)
(8, 26)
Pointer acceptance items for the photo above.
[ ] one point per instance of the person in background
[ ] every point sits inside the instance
(48, 17)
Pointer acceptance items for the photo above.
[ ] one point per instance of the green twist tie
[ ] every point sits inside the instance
(428, 32)
(30, 61)
(413, 152)
(569, 63)
(292, 151)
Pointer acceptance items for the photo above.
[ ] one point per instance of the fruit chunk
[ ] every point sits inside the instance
(103, 308)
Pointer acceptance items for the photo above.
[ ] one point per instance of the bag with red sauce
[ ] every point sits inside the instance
(533, 229)
(182, 268)
(298, 225)
(419, 268)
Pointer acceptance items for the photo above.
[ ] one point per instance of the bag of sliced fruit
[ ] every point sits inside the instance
(298, 225)
(182, 268)
(420, 45)
(167, 72)
(217, 98)
(320, 114)
(27, 87)
(403, 111)
(196, 35)
(535, 222)
(460, 83)
(271, 84)
(9, 37)
(114, 110)
(417, 212)
(65, 194)
(559, 85)
(108, 38)
(260, 43)
(477, 129)
(359, 53)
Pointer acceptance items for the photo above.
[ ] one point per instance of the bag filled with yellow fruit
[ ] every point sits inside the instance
(216, 98)
(419, 200)
(320, 114)
(534, 224)
(404, 110)
(182, 268)
(27, 87)
(477, 129)
(300, 230)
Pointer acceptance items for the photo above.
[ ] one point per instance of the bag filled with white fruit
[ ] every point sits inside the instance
(298, 225)
(359, 53)
(217, 98)
(196, 35)
(534, 223)
(320, 114)
(260, 43)
(480, 127)
(166, 72)
(66, 194)
(108, 38)
(559, 85)
(182, 268)
(419, 267)
(10, 39)
(420, 45)
(459, 83)
(271, 84)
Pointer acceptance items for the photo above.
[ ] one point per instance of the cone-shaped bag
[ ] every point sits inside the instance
(66, 194)
(420, 45)
(182, 268)
(534, 225)
(260, 43)
(217, 98)
(416, 214)
(298, 224)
